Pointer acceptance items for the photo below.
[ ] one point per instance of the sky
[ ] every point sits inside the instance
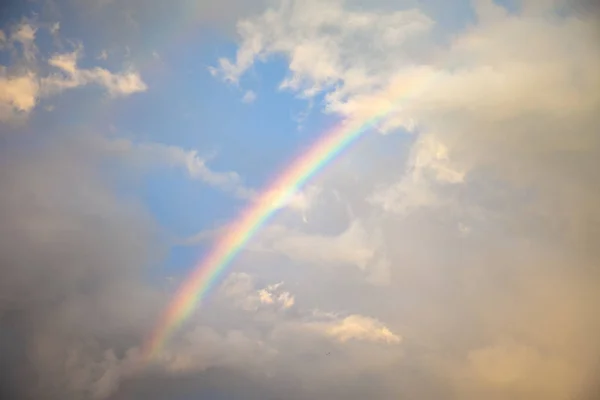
(450, 252)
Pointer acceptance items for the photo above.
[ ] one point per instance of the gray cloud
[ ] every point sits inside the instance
(486, 214)
(137, 25)
(74, 259)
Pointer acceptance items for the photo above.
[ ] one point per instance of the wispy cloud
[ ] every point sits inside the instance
(24, 84)
(120, 84)
(249, 97)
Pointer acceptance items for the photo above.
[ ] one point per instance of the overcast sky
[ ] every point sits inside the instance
(450, 253)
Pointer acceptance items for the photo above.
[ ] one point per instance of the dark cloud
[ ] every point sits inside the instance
(221, 383)
(214, 383)
(74, 259)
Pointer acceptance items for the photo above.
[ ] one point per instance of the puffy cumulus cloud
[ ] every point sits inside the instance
(28, 78)
(18, 83)
(18, 93)
(240, 288)
(488, 227)
(242, 291)
(321, 41)
(478, 79)
(357, 327)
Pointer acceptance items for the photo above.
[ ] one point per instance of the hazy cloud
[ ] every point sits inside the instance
(72, 272)
(503, 144)
(452, 255)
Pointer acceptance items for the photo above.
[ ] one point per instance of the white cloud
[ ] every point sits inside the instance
(321, 40)
(429, 165)
(249, 97)
(301, 200)
(193, 163)
(356, 327)
(241, 289)
(271, 295)
(197, 168)
(355, 246)
(19, 86)
(504, 144)
(439, 89)
(24, 83)
(478, 98)
(151, 154)
(120, 84)
(18, 93)
(24, 33)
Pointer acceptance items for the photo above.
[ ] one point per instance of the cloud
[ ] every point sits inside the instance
(25, 82)
(355, 246)
(202, 348)
(122, 84)
(19, 84)
(54, 29)
(478, 210)
(24, 34)
(249, 97)
(240, 288)
(428, 166)
(318, 56)
(262, 345)
(18, 93)
(357, 327)
(71, 273)
(502, 145)
(151, 154)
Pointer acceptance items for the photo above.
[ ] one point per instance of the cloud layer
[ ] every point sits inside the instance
(452, 254)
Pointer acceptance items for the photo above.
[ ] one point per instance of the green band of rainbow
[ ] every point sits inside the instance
(206, 274)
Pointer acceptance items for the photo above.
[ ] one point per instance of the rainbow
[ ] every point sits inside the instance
(207, 272)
